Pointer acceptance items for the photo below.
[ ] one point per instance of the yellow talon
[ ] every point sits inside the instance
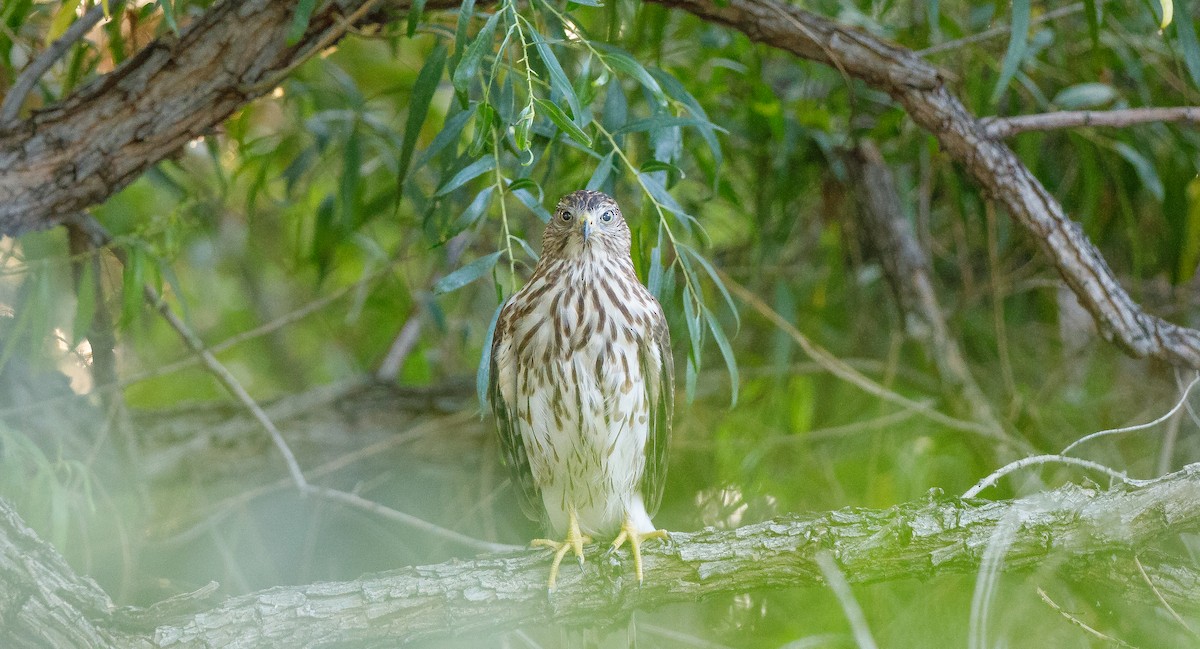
(574, 541)
(635, 538)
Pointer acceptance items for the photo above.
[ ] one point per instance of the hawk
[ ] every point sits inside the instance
(582, 386)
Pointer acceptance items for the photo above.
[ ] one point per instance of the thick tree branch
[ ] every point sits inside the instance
(921, 90)
(1097, 532)
(93, 143)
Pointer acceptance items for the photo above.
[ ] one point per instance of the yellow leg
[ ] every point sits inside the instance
(574, 541)
(635, 538)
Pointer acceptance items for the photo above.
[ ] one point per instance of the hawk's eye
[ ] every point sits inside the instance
(607, 216)
(564, 216)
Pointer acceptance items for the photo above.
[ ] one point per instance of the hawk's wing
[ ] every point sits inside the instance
(660, 390)
(509, 427)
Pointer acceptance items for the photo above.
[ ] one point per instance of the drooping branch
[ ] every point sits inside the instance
(1002, 127)
(1096, 532)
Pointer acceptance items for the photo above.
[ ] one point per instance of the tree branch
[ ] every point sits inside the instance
(999, 128)
(1097, 531)
(920, 89)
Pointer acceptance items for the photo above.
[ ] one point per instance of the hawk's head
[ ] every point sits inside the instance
(586, 220)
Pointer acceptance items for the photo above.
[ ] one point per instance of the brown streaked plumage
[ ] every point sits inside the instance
(582, 384)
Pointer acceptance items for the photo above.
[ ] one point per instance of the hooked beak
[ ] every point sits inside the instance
(587, 223)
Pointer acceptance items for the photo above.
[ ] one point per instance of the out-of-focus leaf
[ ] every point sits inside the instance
(1092, 9)
(1085, 95)
(67, 12)
(664, 121)
(1144, 168)
(300, 18)
(1166, 12)
(563, 122)
(483, 373)
(602, 172)
(475, 210)
(530, 201)
(469, 64)
(168, 9)
(1018, 39)
(414, 16)
(350, 187)
(449, 134)
(466, 274)
(718, 334)
(418, 109)
(133, 279)
(1189, 254)
(558, 79)
(1185, 32)
(467, 174)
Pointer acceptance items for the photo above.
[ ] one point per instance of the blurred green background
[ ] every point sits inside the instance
(353, 200)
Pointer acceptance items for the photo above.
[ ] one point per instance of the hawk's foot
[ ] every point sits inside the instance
(635, 538)
(575, 541)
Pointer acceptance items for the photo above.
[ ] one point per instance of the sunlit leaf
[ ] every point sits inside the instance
(467, 274)
(66, 14)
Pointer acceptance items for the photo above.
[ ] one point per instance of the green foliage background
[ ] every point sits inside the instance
(410, 168)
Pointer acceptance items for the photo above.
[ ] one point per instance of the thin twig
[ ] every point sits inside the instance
(843, 371)
(1163, 600)
(1002, 127)
(1130, 429)
(1036, 460)
(997, 32)
(1080, 623)
(11, 108)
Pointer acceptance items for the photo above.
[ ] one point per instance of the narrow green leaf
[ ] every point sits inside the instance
(558, 79)
(534, 205)
(658, 122)
(475, 210)
(1092, 9)
(716, 280)
(676, 91)
(563, 122)
(602, 172)
(450, 133)
(1166, 11)
(350, 187)
(1185, 33)
(465, 13)
(67, 12)
(718, 335)
(654, 280)
(414, 16)
(418, 109)
(466, 274)
(621, 61)
(528, 184)
(467, 174)
(132, 280)
(168, 9)
(1018, 39)
(469, 65)
(1144, 168)
(650, 166)
(483, 373)
(300, 19)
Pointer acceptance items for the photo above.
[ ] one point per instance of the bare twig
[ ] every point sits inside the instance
(1002, 127)
(1183, 398)
(1080, 623)
(1003, 30)
(1161, 599)
(843, 371)
(1038, 460)
(11, 107)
